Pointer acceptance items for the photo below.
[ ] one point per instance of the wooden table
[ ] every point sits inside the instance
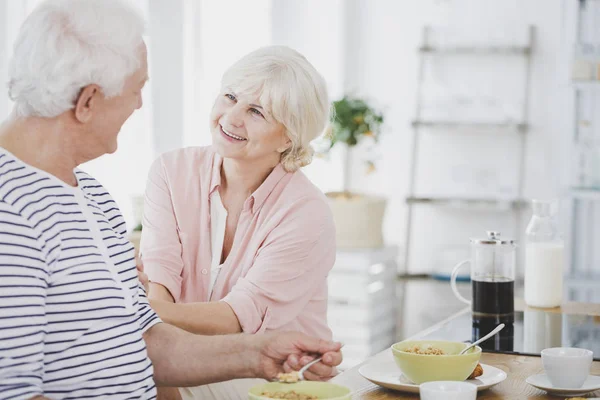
(517, 367)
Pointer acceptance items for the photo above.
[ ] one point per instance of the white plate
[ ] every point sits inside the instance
(542, 382)
(387, 374)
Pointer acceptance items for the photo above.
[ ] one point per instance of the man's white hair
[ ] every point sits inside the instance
(291, 90)
(65, 45)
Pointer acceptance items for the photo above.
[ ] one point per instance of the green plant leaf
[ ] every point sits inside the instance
(354, 119)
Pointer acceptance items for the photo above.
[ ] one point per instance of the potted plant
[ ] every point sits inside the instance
(358, 217)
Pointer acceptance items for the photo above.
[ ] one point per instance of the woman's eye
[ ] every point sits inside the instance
(230, 96)
(256, 112)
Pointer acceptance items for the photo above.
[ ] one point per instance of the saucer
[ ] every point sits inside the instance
(386, 373)
(542, 382)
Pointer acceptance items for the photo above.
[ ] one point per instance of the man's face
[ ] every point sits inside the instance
(111, 113)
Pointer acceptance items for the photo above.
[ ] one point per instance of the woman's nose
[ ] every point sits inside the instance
(235, 116)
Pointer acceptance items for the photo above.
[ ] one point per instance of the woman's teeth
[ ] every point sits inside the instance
(231, 135)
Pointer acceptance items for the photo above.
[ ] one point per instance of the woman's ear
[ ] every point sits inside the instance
(86, 103)
(287, 143)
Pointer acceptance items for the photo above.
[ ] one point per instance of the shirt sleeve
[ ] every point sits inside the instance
(147, 318)
(293, 262)
(24, 281)
(160, 244)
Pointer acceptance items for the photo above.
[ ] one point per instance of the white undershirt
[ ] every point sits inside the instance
(218, 220)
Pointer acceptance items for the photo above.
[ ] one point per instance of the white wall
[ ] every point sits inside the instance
(217, 38)
(317, 29)
(498, 21)
(391, 35)
(166, 43)
(381, 65)
(12, 14)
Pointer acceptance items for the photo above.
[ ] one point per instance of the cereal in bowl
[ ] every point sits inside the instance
(429, 351)
(292, 395)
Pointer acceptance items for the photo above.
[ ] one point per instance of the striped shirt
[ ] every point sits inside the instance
(72, 312)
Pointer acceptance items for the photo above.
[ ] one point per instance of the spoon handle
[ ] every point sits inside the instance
(486, 337)
(307, 366)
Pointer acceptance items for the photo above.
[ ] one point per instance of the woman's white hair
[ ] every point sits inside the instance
(65, 45)
(291, 90)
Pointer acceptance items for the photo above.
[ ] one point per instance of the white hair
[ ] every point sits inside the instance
(291, 90)
(65, 45)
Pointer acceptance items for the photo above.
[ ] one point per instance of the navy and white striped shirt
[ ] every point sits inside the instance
(72, 312)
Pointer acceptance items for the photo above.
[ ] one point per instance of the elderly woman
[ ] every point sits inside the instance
(235, 237)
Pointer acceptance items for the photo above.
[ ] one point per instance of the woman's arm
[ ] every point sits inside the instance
(159, 293)
(160, 246)
(291, 265)
(200, 318)
(214, 318)
(290, 268)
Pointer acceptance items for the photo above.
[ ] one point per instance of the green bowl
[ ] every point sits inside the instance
(323, 390)
(421, 368)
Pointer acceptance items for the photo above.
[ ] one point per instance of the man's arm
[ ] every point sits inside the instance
(23, 287)
(184, 359)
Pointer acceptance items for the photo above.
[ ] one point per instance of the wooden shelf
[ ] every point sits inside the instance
(470, 203)
(585, 194)
(585, 85)
(457, 125)
(477, 50)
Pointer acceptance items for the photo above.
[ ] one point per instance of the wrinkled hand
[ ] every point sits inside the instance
(142, 275)
(279, 352)
(321, 371)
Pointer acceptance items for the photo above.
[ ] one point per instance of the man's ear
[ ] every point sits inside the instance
(86, 102)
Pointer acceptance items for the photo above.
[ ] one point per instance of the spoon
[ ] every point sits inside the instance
(295, 376)
(307, 366)
(486, 337)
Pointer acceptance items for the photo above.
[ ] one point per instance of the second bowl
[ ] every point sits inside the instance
(435, 360)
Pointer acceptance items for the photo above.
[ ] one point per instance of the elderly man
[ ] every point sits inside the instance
(74, 320)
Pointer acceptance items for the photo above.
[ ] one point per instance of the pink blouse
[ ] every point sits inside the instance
(284, 246)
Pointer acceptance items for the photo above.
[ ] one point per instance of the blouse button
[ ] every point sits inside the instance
(204, 272)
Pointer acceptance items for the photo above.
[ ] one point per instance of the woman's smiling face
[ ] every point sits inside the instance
(243, 129)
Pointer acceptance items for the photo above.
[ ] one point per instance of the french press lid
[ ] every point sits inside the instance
(493, 238)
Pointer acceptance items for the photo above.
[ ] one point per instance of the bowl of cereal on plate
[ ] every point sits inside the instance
(304, 390)
(435, 360)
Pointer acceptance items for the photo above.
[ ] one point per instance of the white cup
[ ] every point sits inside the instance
(448, 390)
(567, 367)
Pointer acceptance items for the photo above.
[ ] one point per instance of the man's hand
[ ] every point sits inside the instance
(321, 371)
(142, 275)
(184, 359)
(279, 351)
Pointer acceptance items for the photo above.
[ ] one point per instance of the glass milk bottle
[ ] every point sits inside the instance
(544, 258)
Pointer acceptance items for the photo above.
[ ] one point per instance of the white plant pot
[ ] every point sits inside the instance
(358, 220)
